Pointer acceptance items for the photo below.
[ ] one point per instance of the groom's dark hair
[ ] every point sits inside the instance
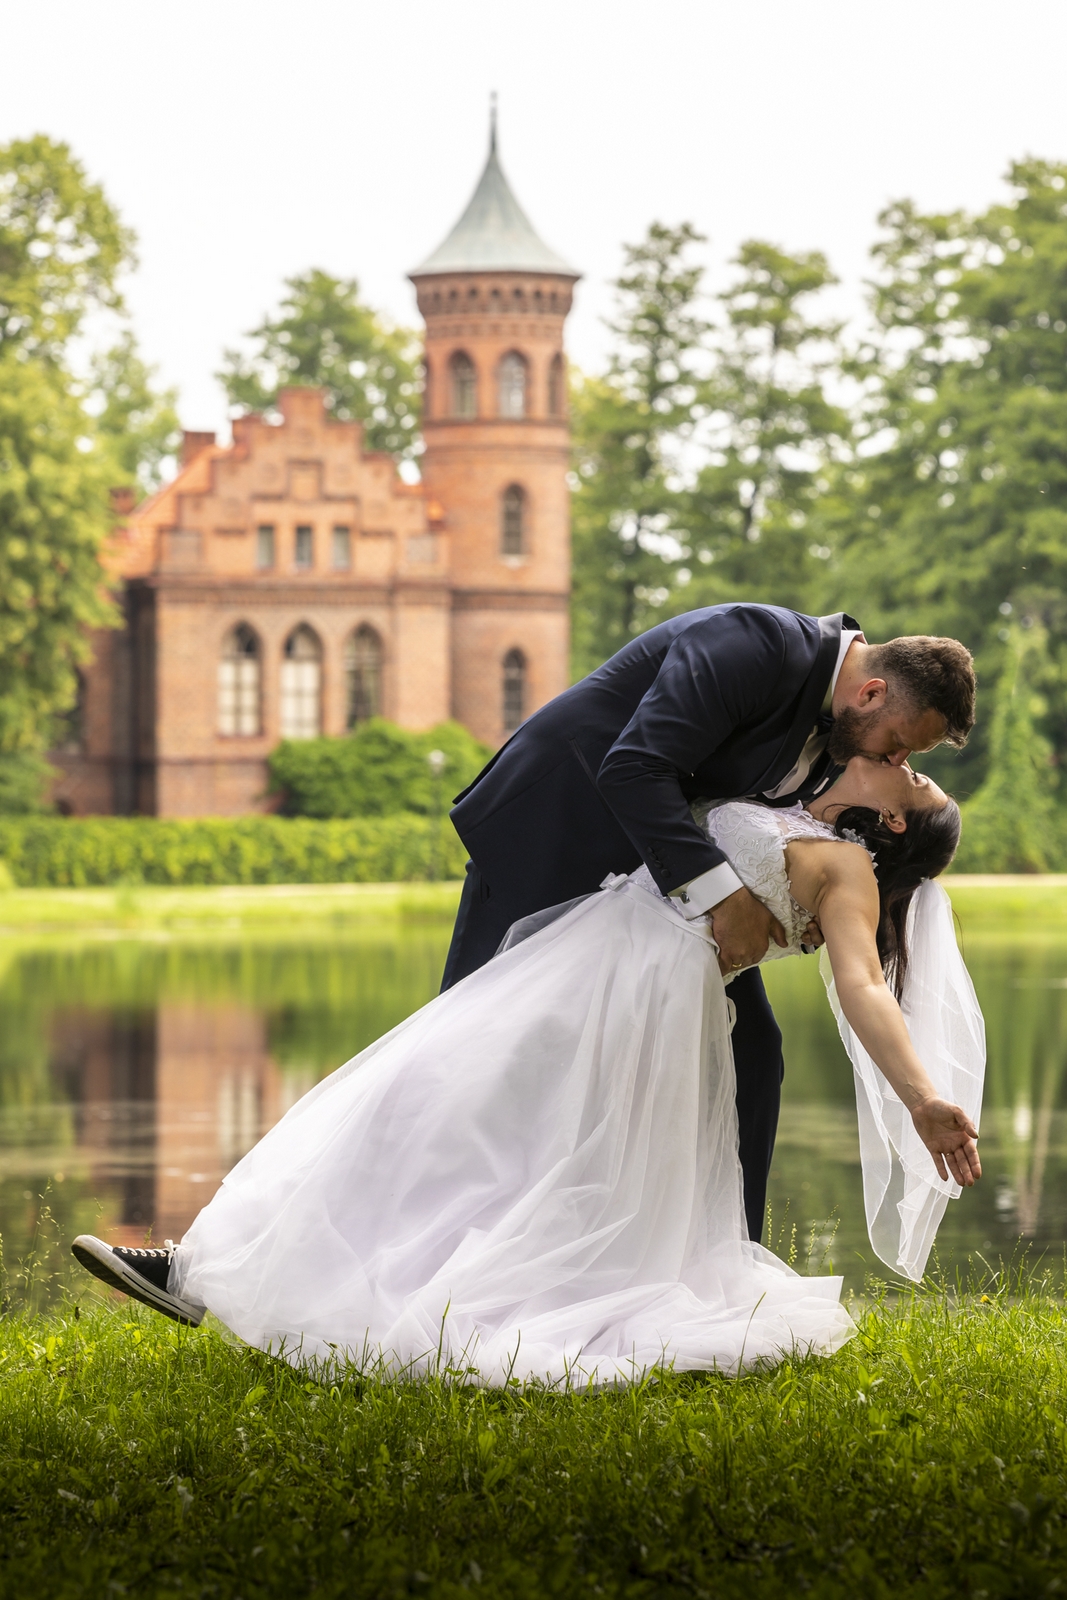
(932, 675)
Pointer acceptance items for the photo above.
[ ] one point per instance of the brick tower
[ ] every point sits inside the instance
(494, 299)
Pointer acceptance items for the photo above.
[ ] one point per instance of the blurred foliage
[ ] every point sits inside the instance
(917, 478)
(137, 424)
(24, 780)
(377, 770)
(61, 852)
(324, 336)
(62, 248)
(66, 437)
(630, 428)
(1013, 824)
(54, 479)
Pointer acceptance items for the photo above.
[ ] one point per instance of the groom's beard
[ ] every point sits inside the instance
(850, 734)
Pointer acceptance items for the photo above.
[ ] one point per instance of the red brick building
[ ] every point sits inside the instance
(291, 583)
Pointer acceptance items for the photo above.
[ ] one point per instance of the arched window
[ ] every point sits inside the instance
(514, 689)
(513, 521)
(363, 675)
(464, 385)
(511, 380)
(239, 684)
(555, 387)
(301, 708)
(427, 389)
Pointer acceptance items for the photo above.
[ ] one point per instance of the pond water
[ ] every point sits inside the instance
(135, 1072)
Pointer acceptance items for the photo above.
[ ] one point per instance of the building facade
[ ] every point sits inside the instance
(291, 583)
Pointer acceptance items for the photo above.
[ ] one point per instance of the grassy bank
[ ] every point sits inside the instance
(237, 911)
(929, 1457)
(985, 905)
(1009, 905)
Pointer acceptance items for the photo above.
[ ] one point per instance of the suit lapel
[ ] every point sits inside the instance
(809, 705)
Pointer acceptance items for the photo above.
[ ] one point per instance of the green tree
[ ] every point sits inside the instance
(771, 437)
(324, 336)
(54, 478)
(64, 440)
(631, 428)
(62, 247)
(138, 423)
(954, 516)
(1012, 824)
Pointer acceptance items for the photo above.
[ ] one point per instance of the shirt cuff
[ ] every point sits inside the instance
(695, 898)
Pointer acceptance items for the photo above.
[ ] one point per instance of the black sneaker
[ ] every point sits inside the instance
(142, 1274)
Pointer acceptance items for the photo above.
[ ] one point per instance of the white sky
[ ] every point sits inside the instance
(247, 141)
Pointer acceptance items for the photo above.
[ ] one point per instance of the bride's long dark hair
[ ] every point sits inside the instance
(901, 862)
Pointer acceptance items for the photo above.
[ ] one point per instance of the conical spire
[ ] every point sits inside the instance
(494, 233)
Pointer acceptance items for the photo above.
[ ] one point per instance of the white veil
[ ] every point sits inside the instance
(903, 1195)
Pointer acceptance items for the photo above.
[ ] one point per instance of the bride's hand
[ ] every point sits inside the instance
(951, 1138)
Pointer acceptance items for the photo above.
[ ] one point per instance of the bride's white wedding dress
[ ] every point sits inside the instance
(536, 1175)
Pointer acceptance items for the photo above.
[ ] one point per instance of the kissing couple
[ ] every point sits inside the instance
(556, 1170)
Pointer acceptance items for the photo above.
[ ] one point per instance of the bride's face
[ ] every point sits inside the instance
(891, 790)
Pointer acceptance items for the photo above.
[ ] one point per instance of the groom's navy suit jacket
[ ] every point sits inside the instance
(715, 703)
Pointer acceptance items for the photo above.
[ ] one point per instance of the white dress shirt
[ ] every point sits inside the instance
(701, 894)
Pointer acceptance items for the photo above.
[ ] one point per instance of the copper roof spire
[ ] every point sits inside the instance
(494, 233)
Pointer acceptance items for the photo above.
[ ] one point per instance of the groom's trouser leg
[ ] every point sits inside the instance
(757, 1041)
(481, 923)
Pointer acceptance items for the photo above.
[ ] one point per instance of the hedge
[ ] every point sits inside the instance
(378, 770)
(61, 853)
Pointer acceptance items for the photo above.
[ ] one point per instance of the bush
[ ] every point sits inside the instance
(58, 852)
(377, 771)
(24, 780)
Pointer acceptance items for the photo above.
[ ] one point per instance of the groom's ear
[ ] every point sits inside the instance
(871, 696)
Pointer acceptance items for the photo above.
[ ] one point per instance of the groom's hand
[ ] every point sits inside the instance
(743, 928)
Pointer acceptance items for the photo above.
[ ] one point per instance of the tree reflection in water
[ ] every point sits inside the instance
(134, 1074)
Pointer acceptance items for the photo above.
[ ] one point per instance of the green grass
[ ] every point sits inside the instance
(929, 1458)
(985, 906)
(1000, 906)
(237, 911)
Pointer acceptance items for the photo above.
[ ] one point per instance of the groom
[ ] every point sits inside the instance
(727, 702)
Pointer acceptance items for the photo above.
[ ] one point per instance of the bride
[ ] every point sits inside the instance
(536, 1176)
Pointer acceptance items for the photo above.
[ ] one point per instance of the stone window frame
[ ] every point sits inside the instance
(514, 521)
(239, 695)
(301, 689)
(303, 546)
(513, 684)
(512, 396)
(266, 540)
(337, 544)
(373, 703)
(462, 370)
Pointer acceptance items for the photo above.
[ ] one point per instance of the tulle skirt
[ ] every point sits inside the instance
(533, 1177)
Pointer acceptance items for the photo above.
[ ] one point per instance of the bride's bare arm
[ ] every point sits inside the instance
(836, 882)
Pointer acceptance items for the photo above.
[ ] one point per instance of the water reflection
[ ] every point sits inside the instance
(134, 1074)
(1022, 987)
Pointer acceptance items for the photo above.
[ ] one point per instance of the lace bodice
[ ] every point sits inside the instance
(753, 839)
